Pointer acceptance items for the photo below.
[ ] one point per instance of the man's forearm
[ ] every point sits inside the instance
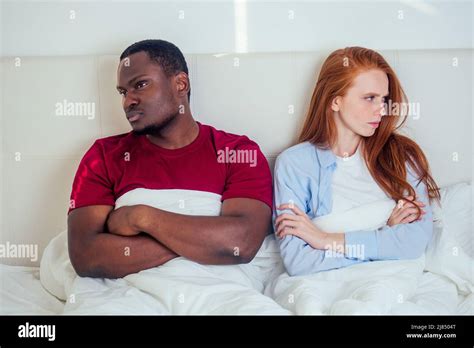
(110, 256)
(204, 239)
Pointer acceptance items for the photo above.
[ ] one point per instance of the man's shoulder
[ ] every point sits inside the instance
(111, 142)
(223, 139)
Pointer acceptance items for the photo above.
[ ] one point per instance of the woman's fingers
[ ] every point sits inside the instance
(397, 212)
(283, 233)
(402, 202)
(419, 203)
(292, 207)
(401, 207)
(286, 223)
(412, 217)
(287, 231)
(411, 200)
(285, 216)
(407, 212)
(408, 219)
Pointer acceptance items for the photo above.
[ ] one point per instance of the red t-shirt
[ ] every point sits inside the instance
(217, 162)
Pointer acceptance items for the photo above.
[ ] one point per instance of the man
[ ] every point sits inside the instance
(167, 149)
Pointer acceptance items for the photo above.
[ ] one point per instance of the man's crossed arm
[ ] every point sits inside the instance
(112, 244)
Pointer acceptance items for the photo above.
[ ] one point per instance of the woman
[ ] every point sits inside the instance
(350, 154)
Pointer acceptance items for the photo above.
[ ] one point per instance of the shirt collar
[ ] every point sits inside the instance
(326, 157)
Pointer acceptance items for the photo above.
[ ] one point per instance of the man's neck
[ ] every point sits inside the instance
(180, 132)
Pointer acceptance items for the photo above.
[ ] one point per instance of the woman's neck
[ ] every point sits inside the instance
(346, 144)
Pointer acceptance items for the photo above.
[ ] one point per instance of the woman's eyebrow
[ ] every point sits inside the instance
(376, 94)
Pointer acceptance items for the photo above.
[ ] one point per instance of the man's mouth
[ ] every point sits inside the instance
(134, 116)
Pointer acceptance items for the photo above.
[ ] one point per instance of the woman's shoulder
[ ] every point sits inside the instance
(301, 155)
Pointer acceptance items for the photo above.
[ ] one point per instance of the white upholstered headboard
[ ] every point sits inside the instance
(264, 96)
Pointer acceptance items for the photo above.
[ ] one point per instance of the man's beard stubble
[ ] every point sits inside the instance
(156, 129)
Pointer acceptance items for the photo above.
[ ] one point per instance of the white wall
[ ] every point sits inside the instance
(75, 59)
(37, 187)
(107, 27)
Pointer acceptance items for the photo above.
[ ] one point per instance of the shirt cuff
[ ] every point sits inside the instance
(362, 243)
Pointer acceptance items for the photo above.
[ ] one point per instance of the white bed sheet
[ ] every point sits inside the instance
(21, 293)
(437, 295)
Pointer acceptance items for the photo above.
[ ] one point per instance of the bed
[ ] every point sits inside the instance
(443, 290)
(51, 146)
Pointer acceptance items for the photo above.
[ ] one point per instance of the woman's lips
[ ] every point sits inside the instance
(374, 124)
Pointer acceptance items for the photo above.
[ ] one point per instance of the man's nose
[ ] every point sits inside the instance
(130, 101)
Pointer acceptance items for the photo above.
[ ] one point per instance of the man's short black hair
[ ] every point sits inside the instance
(167, 55)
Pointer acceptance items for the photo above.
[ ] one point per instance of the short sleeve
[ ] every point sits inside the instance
(91, 185)
(249, 176)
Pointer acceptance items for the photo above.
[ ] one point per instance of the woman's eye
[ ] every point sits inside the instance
(370, 98)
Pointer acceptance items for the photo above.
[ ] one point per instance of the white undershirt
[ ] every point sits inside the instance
(352, 184)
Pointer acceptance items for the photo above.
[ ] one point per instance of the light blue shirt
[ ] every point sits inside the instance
(303, 175)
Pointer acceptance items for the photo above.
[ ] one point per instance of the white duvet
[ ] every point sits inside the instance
(381, 287)
(180, 286)
(438, 283)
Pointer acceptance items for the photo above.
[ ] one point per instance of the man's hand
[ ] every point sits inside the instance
(95, 253)
(233, 237)
(124, 221)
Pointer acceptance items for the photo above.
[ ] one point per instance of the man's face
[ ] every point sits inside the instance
(148, 95)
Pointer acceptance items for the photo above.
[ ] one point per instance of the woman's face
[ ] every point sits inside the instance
(363, 106)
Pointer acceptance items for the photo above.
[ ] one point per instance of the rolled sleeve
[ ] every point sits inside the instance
(366, 241)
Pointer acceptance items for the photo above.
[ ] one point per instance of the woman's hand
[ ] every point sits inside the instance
(406, 212)
(301, 226)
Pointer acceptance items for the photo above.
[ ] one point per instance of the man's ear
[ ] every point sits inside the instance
(336, 103)
(182, 83)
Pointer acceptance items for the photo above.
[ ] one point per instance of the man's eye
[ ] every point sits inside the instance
(141, 84)
(122, 93)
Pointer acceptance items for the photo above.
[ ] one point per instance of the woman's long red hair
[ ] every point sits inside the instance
(386, 152)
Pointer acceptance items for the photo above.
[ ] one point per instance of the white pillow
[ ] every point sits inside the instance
(450, 250)
(369, 216)
(456, 214)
